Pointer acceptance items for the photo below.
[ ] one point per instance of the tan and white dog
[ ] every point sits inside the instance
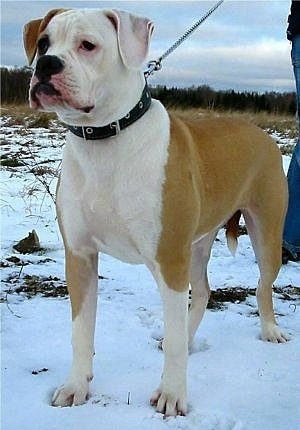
(156, 192)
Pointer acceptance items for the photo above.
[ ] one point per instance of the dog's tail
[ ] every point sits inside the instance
(232, 229)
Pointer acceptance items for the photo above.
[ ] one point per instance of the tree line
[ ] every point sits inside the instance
(208, 98)
(15, 82)
(14, 85)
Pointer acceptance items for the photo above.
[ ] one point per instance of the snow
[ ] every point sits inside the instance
(235, 381)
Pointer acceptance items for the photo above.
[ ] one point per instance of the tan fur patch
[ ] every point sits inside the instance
(215, 167)
(78, 274)
(32, 31)
(180, 210)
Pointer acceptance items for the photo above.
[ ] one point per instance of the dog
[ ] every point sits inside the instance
(146, 186)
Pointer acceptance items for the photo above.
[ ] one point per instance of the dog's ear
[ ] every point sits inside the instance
(33, 29)
(133, 34)
(30, 36)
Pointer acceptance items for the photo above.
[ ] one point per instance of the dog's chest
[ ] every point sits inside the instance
(121, 210)
(111, 198)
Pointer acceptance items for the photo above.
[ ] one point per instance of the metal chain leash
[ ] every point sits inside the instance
(155, 65)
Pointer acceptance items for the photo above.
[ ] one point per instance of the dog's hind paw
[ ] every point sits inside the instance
(272, 333)
(71, 395)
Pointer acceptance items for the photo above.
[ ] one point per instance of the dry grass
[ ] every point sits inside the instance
(282, 124)
(24, 115)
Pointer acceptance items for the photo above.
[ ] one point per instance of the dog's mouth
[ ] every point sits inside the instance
(86, 109)
(44, 95)
(41, 88)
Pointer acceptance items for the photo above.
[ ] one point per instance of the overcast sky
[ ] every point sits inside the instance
(242, 46)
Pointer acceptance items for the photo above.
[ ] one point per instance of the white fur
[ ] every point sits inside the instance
(171, 397)
(115, 189)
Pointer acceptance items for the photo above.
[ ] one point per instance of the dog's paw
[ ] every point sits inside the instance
(71, 394)
(272, 333)
(168, 403)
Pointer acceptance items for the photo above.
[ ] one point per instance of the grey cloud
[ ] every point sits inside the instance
(226, 51)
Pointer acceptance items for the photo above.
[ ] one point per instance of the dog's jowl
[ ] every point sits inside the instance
(146, 186)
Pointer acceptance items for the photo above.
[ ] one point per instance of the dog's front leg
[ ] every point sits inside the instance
(171, 396)
(82, 280)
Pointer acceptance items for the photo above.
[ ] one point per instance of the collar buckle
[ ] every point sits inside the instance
(115, 125)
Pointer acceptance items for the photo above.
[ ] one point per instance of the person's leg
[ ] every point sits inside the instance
(291, 233)
(295, 55)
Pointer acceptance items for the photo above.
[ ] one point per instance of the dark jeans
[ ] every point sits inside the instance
(291, 233)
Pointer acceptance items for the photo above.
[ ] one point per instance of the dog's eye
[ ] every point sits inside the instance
(43, 45)
(87, 46)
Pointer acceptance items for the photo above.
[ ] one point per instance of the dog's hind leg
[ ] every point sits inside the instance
(82, 280)
(198, 278)
(266, 237)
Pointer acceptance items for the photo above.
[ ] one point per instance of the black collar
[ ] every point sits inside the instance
(114, 128)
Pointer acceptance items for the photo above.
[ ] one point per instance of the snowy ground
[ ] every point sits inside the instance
(235, 380)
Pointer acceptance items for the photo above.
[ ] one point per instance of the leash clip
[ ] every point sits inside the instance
(153, 66)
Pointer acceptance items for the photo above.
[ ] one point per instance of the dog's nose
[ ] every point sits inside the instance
(48, 65)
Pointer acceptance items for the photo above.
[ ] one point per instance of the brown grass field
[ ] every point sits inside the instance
(283, 125)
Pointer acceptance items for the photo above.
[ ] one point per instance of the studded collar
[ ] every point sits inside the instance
(115, 127)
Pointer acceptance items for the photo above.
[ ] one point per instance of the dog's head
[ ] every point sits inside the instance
(86, 60)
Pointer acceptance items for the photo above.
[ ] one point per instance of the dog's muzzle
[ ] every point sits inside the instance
(46, 67)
